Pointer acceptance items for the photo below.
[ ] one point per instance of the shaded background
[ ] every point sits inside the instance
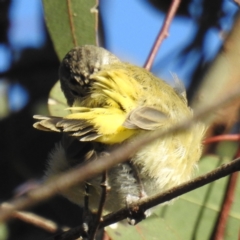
(29, 68)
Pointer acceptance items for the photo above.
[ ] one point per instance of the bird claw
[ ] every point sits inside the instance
(136, 213)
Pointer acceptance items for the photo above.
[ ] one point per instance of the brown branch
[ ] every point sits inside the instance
(225, 137)
(162, 34)
(33, 219)
(97, 220)
(70, 14)
(237, 2)
(146, 203)
(91, 168)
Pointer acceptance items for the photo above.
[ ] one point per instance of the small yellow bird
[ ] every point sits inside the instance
(111, 102)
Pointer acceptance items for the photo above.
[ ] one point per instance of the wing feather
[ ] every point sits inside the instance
(147, 118)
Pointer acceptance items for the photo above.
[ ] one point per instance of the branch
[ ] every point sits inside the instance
(146, 203)
(92, 168)
(198, 182)
(98, 218)
(31, 218)
(225, 137)
(162, 34)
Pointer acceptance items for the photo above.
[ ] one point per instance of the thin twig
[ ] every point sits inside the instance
(225, 137)
(162, 34)
(91, 168)
(237, 2)
(146, 203)
(98, 218)
(31, 218)
(86, 197)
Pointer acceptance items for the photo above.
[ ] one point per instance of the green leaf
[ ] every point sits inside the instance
(153, 228)
(3, 232)
(57, 104)
(194, 214)
(71, 23)
(191, 216)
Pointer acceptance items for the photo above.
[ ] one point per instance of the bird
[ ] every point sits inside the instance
(112, 102)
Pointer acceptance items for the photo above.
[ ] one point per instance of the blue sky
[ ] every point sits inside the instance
(131, 27)
(26, 29)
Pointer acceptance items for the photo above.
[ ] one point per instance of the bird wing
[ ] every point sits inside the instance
(80, 128)
(47, 123)
(110, 114)
(100, 124)
(104, 125)
(147, 118)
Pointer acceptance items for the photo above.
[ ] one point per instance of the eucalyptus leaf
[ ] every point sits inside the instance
(57, 104)
(71, 23)
(192, 216)
(153, 228)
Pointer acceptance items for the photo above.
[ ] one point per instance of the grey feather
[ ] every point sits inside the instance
(90, 137)
(47, 123)
(83, 132)
(147, 118)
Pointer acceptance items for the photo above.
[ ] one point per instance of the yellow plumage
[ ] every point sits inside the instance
(111, 103)
(117, 93)
(108, 104)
